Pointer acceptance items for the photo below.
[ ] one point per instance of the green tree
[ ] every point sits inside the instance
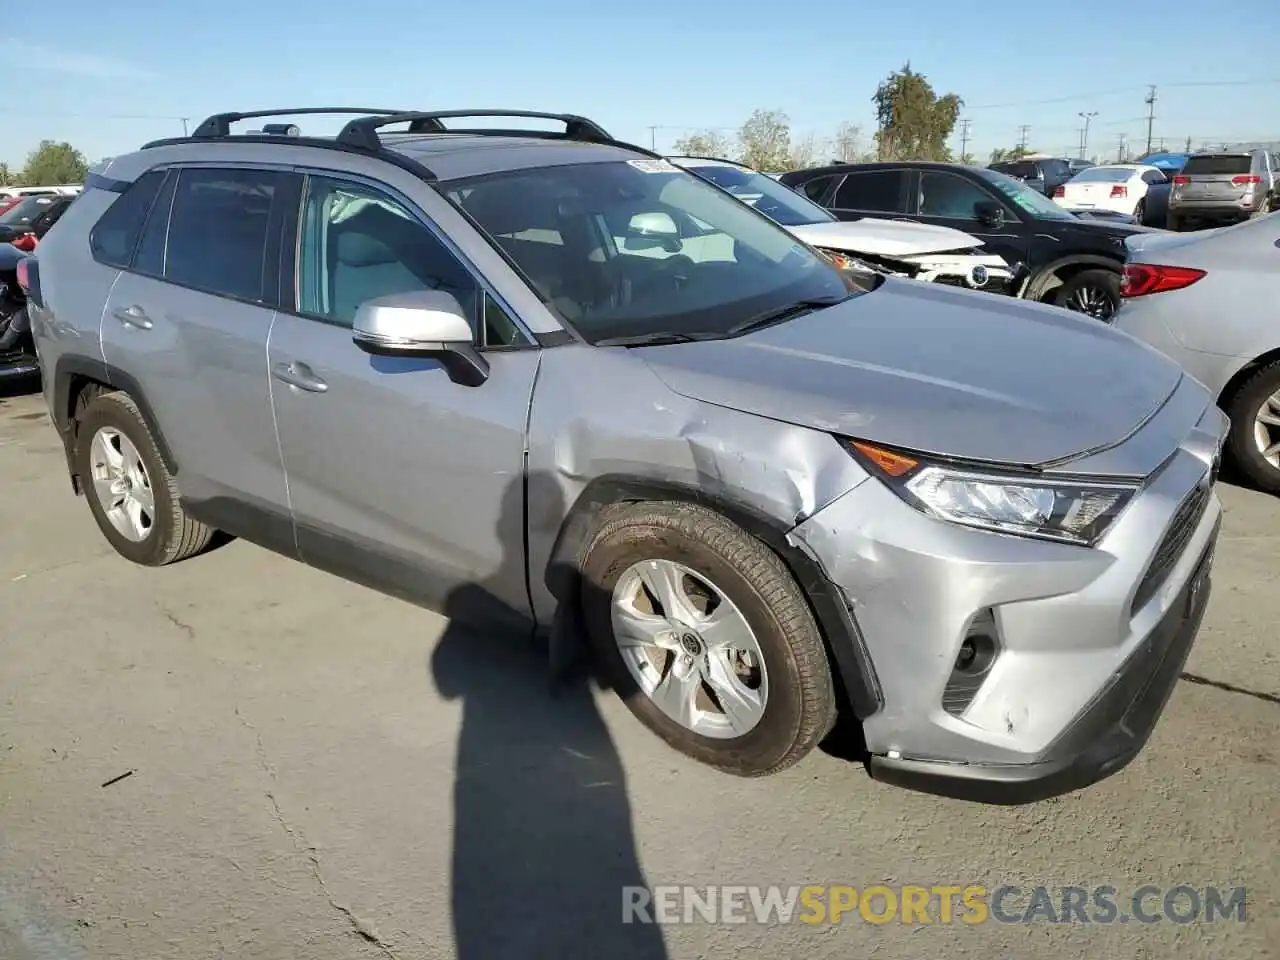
(704, 143)
(52, 163)
(4, 175)
(1003, 154)
(765, 141)
(914, 122)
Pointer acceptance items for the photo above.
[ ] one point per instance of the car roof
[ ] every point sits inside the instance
(428, 147)
(682, 160)
(451, 156)
(839, 168)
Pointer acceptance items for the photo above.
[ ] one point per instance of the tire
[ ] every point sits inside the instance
(170, 535)
(1106, 281)
(798, 694)
(1242, 443)
(1174, 222)
(1140, 212)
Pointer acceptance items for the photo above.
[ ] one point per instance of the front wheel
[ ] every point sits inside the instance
(1095, 292)
(707, 637)
(1140, 212)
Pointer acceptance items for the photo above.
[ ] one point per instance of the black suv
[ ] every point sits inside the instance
(1057, 257)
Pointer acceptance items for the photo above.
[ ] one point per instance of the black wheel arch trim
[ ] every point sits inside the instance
(66, 372)
(844, 641)
(1040, 279)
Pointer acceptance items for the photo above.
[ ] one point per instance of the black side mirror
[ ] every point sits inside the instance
(989, 213)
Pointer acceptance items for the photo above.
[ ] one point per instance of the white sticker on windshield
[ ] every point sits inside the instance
(653, 166)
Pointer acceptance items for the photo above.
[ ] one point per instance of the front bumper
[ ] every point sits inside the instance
(1101, 741)
(1087, 644)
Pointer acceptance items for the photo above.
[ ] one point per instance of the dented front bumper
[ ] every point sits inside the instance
(1086, 649)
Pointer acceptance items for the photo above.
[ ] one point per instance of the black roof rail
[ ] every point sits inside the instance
(219, 125)
(363, 131)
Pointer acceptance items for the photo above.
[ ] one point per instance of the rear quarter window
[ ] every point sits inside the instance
(116, 233)
(1217, 165)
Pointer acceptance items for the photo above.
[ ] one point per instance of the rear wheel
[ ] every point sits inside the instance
(132, 495)
(1140, 211)
(707, 637)
(1254, 441)
(1095, 292)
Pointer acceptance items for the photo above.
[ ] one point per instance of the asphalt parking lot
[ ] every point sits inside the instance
(318, 771)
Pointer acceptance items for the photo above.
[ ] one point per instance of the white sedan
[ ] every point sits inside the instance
(1117, 187)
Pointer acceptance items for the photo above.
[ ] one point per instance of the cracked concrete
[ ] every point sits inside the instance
(323, 772)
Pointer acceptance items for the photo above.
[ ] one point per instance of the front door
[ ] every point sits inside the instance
(399, 477)
(949, 200)
(189, 317)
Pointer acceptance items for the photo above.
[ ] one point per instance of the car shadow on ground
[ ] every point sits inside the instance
(543, 845)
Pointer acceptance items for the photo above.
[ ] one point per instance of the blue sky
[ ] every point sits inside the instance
(106, 77)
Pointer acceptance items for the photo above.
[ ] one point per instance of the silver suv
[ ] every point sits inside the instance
(1224, 187)
(548, 379)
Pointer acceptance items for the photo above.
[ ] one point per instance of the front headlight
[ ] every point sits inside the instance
(1027, 504)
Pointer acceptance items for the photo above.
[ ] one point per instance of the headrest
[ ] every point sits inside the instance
(356, 249)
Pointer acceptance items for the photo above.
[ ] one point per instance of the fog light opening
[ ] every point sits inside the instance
(978, 651)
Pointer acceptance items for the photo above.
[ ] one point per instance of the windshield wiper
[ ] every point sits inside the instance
(787, 312)
(655, 338)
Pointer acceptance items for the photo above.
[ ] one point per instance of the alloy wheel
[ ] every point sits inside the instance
(1093, 300)
(1266, 429)
(689, 649)
(121, 484)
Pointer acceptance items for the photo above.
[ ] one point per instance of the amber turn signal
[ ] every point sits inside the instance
(893, 464)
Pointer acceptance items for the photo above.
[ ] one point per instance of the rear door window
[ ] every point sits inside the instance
(1217, 165)
(877, 191)
(218, 231)
(116, 233)
(818, 188)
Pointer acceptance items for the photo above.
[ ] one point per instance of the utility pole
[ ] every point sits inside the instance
(1120, 152)
(964, 140)
(1188, 145)
(1023, 131)
(184, 124)
(1151, 113)
(1084, 134)
(653, 138)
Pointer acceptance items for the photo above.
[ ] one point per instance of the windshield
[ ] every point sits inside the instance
(767, 195)
(640, 248)
(1023, 197)
(26, 211)
(1110, 174)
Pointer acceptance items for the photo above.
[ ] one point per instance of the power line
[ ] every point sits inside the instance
(1119, 90)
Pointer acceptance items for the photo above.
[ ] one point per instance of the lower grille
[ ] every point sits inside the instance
(1174, 544)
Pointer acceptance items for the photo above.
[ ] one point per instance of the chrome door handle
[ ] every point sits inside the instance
(299, 375)
(133, 316)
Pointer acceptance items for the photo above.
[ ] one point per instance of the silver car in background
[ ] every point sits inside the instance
(550, 380)
(1218, 188)
(1208, 300)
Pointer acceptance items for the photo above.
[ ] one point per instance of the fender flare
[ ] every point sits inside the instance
(1040, 278)
(67, 371)
(846, 647)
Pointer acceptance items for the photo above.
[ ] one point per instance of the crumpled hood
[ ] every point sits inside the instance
(938, 370)
(884, 238)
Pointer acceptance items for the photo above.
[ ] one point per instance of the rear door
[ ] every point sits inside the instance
(882, 193)
(1217, 176)
(189, 318)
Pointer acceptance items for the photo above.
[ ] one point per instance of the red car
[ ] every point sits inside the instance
(25, 222)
